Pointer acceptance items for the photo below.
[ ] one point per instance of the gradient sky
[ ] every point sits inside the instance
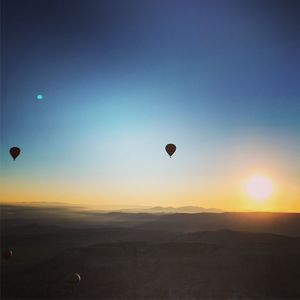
(123, 78)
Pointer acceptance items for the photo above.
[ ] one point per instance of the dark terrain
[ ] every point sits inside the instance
(149, 256)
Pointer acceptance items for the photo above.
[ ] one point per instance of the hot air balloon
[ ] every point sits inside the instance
(7, 254)
(170, 148)
(74, 278)
(15, 152)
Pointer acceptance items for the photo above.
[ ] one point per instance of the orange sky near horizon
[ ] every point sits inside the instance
(231, 195)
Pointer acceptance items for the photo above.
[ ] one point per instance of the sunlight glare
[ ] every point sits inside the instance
(259, 187)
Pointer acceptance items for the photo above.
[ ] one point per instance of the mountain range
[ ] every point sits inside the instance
(172, 210)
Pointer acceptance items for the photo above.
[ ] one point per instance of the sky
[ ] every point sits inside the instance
(121, 79)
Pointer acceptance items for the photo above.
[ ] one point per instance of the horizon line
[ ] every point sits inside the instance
(122, 210)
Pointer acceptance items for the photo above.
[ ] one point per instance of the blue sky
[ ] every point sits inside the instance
(121, 79)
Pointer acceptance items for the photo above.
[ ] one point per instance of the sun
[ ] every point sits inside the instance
(259, 187)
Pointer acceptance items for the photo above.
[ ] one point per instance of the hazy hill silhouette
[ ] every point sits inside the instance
(172, 210)
(149, 256)
(280, 223)
(277, 223)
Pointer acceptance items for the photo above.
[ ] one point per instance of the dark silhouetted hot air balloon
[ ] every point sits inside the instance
(170, 148)
(7, 254)
(74, 278)
(15, 152)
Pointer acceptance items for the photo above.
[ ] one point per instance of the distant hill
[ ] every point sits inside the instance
(275, 223)
(172, 210)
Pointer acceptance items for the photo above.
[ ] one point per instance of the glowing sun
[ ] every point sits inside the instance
(259, 187)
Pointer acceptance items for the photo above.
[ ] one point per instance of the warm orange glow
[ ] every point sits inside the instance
(227, 192)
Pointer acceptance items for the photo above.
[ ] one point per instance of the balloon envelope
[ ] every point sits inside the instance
(170, 148)
(74, 278)
(15, 152)
(7, 254)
